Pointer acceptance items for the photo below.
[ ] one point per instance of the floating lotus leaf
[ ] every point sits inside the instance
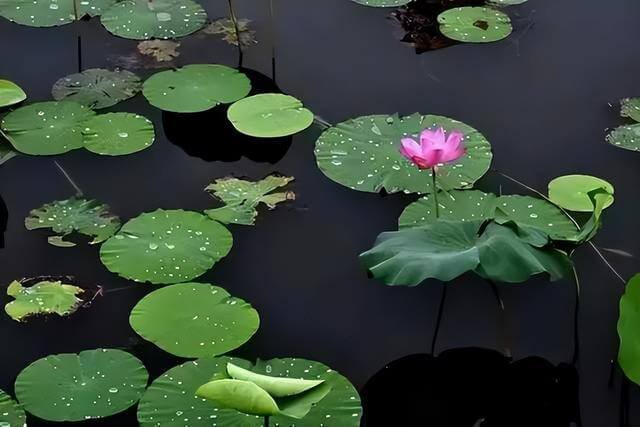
(627, 137)
(84, 216)
(118, 134)
(166, 246)
(445, 250)
(475, 24)
(50, 13)
(76, 387)
(382, 3)
(160, 50)
(11, 414)
(269, 115)
(630, 107)
(46, 128)
(456, 205)
(628, 325)
(171, 398)
(10, 93)
(147, 19)
(506, 2)
(194, 320)
(241, 198)
(196, 87)
(363, 154)
(42, 298)
(571, 192)
(97, 88)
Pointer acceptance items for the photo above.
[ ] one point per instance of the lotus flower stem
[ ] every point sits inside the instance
(266, 421)
(435, 192)
(273, 40)
(443, 298)
(504, 339)
(234, 19)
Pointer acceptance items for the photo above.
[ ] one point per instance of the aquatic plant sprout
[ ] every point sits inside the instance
(434, 148)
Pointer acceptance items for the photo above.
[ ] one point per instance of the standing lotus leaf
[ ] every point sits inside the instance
(42, 298)
(46, 128)
(194, 320)
(196, 87)
(77, 387)
(166, 246)
(161, 19)
(628, 324)
(475, 24)
(171, 398)
(10, 93)
(97, 88)
(241, 198)
(571, 192)
(269, 115)
(118, 134)
(50, 13)
(382, 3)
(84, 216)
(445, 250)
(363, 154)
(11, 414)
(6, 153)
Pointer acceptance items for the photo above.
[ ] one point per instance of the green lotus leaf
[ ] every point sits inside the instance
(77, 387)
(42, 298)
(46, 128)
(10, 93)
(275, 386)
(269, 115)
(194, 88)
(599, 198)
(241, 198)
(363, 154)
(628, 325)
(455, 205)
(194, 320)
(11, 414)
(97, 88)
(166, 246)
(84, 216)
(118, 134)
(630, 107)
(6, 153)
(160, 19)
(171, 398)
(627, 137)
(445, 250)
(243, 396)
(505, 2)
(571, 192)
(50, 13)
(474, 24)
(382, 3)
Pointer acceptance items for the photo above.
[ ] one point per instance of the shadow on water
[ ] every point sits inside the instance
(211, 137)
(472, 387)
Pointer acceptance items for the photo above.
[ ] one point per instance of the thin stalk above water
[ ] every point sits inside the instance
(236, 28)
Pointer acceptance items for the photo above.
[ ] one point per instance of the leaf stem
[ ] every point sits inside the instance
(576, 318)
(79, 192)
(435, 192)
(273, 40)
(436, 331)
(234, 19)
(266, 421)
(504, 340)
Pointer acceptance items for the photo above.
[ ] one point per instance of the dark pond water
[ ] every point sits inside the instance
(541, 97)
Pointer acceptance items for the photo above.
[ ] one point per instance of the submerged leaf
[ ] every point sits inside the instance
(241, 198)
(84, 216)
(10, 93)
(226, 28)
(42, 298)
(97, 88)
(628, 326)
(160, 50)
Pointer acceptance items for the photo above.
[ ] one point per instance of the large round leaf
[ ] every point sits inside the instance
(11, 414)
(571, 192)
(363, 154)
(474, 24)
(49, 13)
(628, 325)
(627, 137)
(456, 205)
(77, 387)
(118, 134)
(166, 246)
(10, 93)
(269, 115)
(194, 320)
(46, 128)
(146, 19)
(97, 88)
(382, 3)
(196, 87)
(171, 400)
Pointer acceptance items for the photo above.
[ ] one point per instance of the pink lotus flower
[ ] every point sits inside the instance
(433, 148)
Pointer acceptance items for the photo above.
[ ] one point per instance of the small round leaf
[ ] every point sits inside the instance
(571, 192)
(117, 134)
(474, 24)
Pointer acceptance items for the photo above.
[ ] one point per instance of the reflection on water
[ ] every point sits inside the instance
(210, 136)
(472, 387)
